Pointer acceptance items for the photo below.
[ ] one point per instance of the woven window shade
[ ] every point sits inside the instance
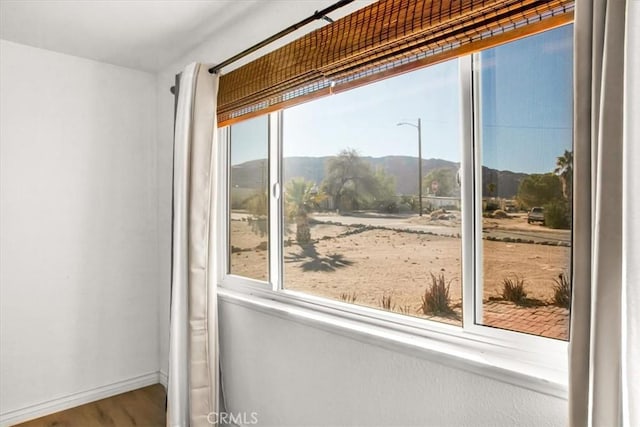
(383, 39)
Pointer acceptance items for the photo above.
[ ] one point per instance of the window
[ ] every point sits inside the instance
(525, 146)
(443, 194)
(249, 200)
(352, 167)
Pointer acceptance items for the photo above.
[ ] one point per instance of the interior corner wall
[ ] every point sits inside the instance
(79, 246)
(263, 19)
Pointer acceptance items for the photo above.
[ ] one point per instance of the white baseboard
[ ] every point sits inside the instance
(76, 399)
(163, 378)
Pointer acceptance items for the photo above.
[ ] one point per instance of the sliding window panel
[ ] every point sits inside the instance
(249, 199)
(524, 186)
(371, 195)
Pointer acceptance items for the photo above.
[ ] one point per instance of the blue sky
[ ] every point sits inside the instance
(527, 102)
(526, 112)
(250, 140)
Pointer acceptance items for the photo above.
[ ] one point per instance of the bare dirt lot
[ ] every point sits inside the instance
(359, 257)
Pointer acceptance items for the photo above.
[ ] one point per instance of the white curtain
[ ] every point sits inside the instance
(604, 353)
(193, 354)
(631, 224)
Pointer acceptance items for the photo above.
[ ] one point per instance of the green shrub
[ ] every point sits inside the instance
(404, 208)
(410, 201)
(513, 290)
(491, 205)
(388, 206)
(562, 291)
(258, 203)
(259, 225)
(436, 300)
(557, 215)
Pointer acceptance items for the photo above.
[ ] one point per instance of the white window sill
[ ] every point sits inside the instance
(538, 371)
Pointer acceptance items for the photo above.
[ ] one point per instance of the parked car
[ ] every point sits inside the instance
(536, 215)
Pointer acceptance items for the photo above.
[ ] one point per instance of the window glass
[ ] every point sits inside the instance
(249, 199)
(371, 199)
(525, 133)
(357, 169)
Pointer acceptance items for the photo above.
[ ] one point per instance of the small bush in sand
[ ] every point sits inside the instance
(513, 290)
(436, 300)
(385, 302)
(405, 309)
(562, 291)
(500, 214)
(347, 297)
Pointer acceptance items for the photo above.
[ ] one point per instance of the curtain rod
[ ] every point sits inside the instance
(319, 14)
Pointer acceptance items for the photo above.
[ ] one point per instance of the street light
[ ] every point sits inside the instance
(418, 126)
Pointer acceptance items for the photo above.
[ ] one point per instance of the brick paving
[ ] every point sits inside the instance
(547, 320)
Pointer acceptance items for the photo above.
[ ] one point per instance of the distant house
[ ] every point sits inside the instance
(439, 202)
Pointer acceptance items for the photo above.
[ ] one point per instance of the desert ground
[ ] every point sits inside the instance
(367, 257)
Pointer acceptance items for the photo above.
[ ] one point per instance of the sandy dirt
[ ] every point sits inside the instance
(376, 263)
(249, 256)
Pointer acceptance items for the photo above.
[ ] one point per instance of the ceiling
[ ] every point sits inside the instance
(143, 34)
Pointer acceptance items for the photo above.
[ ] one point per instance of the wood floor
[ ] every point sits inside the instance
(143, 407)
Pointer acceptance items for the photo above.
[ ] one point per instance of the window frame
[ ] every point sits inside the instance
(508, 352)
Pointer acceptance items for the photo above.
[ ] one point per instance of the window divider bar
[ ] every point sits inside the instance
(476, 95)
(222, 190)
(466, 190)
(275, 201)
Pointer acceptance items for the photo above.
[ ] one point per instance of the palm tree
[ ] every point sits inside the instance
(491, 188)
(301, 197)
(564, 170)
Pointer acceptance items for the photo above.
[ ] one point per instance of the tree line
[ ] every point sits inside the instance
(351, 183)
(552, 190)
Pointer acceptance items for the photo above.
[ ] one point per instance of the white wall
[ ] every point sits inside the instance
(297, 375)
(78, 253)
(292, 374)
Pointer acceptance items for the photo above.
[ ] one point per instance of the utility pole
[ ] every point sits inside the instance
(419, 128)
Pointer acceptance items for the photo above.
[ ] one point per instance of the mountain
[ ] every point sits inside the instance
(403, 168)
(506, 182)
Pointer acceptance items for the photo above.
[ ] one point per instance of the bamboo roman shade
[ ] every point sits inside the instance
(385, 38)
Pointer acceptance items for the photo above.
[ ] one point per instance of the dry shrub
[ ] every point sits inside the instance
(562, 291)
(436, 300)
(348, 297)
(513, 290)
(500, 214)
(385, 302)
(405, 309)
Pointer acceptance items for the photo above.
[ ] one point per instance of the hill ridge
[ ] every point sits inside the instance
(403, 168)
